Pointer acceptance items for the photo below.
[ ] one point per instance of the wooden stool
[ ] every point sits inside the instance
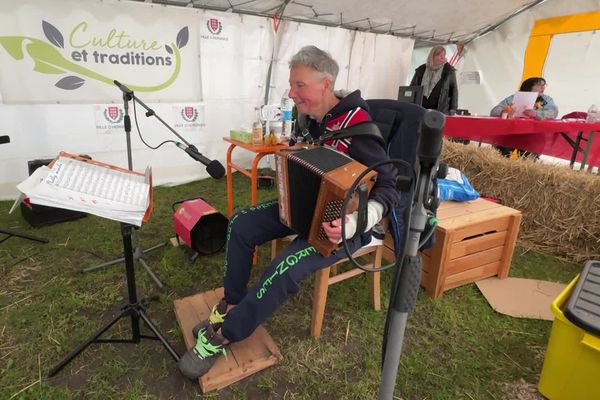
(244, 358)
(474, 240)
(329, 276)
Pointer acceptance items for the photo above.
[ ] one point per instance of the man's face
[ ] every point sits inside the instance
(308, 88)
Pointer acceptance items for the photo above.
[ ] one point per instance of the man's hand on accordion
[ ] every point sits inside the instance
(333, 229)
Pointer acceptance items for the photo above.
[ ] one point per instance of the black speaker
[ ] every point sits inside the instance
(37, 215)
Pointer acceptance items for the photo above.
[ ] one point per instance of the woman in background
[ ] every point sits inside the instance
(544, 107)
(438, 79)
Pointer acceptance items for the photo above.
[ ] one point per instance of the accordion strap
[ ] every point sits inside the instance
(367, 128)
(363, 199)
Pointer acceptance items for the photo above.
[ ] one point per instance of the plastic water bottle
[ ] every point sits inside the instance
(593, 114)
(286, 115)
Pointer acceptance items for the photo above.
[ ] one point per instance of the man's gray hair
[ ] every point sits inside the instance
(316, 59)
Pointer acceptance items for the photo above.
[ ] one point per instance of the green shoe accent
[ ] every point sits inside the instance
(206, 348)
(217, 317)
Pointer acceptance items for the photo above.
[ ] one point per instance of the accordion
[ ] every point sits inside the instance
(312, 183)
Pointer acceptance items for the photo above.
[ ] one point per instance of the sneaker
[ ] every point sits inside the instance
(216, 318)
(200, 358)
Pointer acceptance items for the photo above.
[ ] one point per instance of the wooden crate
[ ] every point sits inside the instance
(244, 358)
(474, 240)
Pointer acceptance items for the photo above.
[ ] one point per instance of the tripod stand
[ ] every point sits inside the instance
(11, 233)
(135, 309)
(405, 284)
(138, 255)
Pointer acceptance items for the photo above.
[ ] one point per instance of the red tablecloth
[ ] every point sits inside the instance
(546, 137)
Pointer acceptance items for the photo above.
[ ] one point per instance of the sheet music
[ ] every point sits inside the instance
(91, 187)
(98, 181)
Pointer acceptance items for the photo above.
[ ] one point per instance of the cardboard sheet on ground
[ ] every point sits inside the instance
(523, 298)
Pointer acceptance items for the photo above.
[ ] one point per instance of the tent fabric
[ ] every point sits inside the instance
(425, 21)
(498, 57)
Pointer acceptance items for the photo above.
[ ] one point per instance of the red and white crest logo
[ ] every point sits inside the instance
(214, 26)
(189, 114)
(113, 114)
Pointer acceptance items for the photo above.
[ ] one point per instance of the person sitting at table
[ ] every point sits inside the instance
(544, 108)
(242, 310)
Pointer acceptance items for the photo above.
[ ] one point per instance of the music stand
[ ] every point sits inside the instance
(138, 253)
(134, 308)
(8, 232)
(411, 94)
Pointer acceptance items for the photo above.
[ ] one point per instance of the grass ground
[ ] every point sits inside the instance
(456, 347)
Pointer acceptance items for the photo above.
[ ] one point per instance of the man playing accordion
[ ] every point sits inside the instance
(242, 310)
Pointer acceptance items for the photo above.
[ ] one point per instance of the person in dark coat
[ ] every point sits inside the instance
(438, 78)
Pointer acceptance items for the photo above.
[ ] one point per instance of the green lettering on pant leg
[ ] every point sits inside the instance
(243, 211)
(231, 221)
(283, 266)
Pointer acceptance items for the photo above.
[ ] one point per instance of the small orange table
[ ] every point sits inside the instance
(260, 152)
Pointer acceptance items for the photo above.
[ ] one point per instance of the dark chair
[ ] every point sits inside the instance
(399, 124)
(575, 144)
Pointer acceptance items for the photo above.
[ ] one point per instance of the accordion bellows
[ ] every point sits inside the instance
(312, 183)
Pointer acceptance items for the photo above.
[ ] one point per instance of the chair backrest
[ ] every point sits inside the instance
(399, 124)
(575, 115)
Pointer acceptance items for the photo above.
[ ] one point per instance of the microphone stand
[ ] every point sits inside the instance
(213, 167)
(135, 309)
(138, 253)
(406, 280)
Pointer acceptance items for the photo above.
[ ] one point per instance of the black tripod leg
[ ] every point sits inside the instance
(158, 335)
(105, 264)
(85, 344)
(12, 233)
(152, 275)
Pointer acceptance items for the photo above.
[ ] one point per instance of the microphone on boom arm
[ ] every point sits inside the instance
(214, 168)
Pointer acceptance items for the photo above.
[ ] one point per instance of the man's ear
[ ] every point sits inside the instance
(327, 83)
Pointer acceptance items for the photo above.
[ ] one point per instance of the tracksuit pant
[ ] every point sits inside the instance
(247, 229)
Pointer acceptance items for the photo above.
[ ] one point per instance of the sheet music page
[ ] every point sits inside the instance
(98, 182)
(91, 187)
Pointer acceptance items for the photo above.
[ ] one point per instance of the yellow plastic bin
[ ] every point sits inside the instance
(571, 368)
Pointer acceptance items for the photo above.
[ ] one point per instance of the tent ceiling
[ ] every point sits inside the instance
(433, 21)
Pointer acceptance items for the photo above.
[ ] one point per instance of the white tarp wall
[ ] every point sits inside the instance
(571, 68)
(211, 69)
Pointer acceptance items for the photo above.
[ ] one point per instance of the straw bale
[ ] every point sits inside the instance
(559, 205)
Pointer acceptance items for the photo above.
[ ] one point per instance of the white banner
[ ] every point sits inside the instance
(72, 50)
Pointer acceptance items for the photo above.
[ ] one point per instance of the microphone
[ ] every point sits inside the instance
(123, 88)
(213, 167)
(4, 139)
(430, 138)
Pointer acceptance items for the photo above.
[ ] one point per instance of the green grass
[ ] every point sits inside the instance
(456, 347)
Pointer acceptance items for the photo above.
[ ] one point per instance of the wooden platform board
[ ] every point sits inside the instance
(244, 358)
